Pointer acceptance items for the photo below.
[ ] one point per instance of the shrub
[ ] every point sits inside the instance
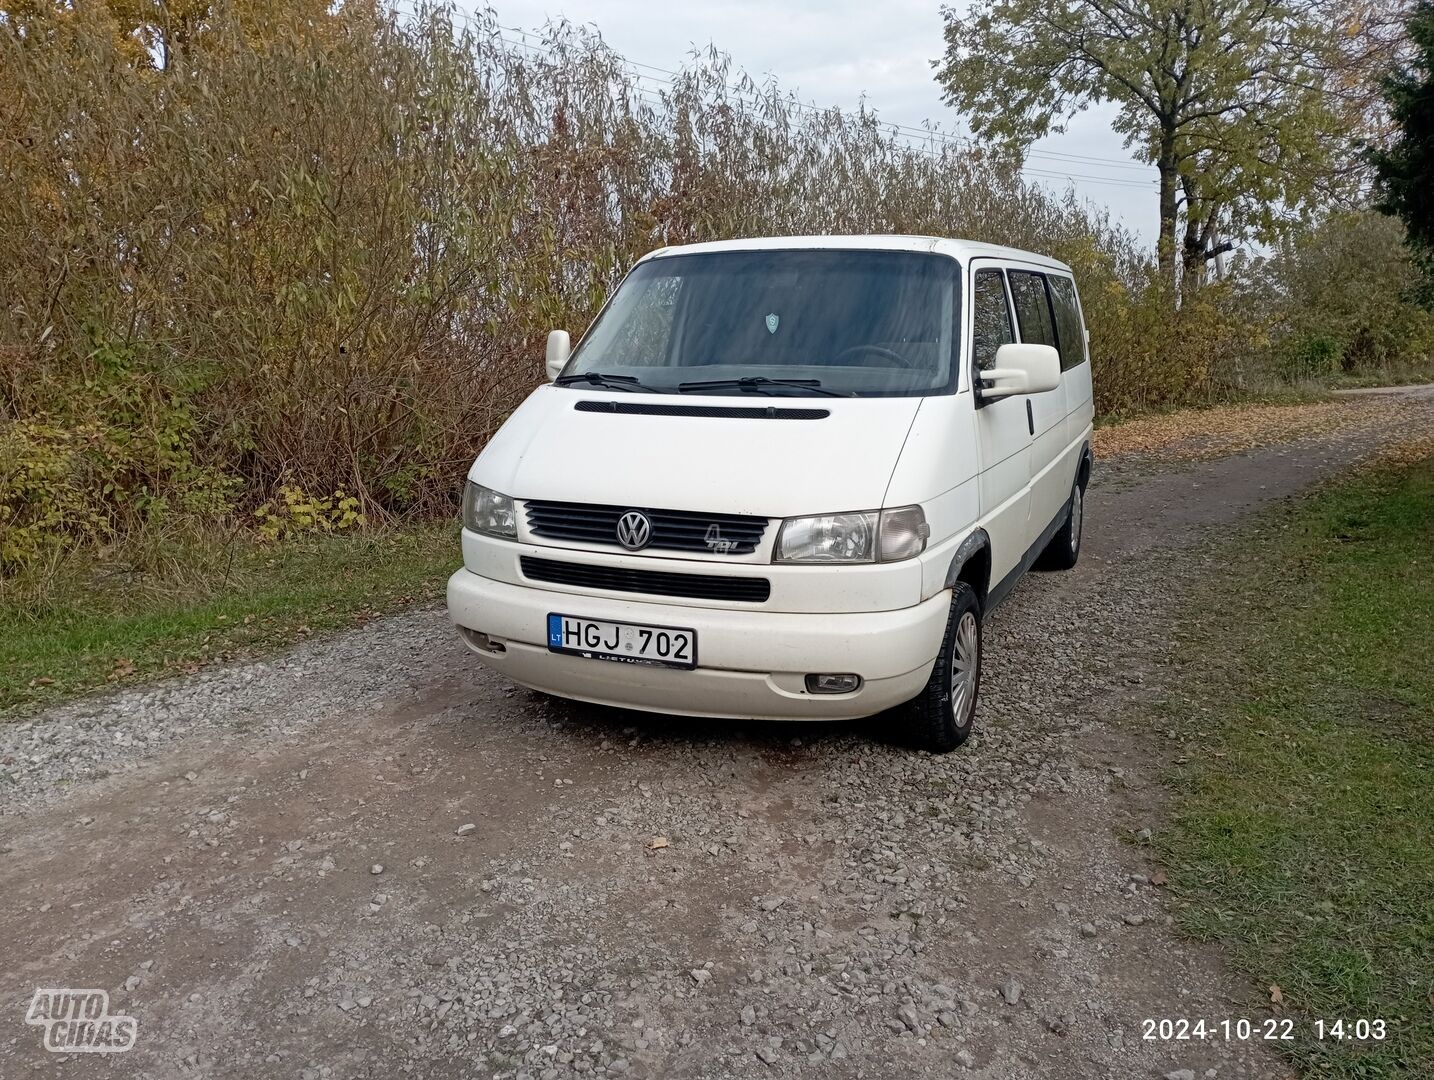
(1335, 299)
(1309, 356)
(47, 481)
(295, 513)
(112, 449)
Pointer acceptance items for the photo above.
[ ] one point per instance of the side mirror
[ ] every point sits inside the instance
(559, 348)
(1021, 369)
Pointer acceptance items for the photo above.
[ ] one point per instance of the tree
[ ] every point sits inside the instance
(1369, 40)
(1223, 97)
(150, 33)
(1404, 171)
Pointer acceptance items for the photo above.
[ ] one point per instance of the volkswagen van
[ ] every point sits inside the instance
(785, 479)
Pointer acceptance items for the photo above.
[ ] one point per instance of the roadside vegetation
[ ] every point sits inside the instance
(108, 618)
(1301, 835)
(288, 264)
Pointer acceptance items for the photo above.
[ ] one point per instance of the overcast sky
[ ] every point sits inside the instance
(837, 51)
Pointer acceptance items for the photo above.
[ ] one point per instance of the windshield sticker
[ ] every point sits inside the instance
(772, 321)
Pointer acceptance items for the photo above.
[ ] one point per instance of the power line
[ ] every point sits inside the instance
(920, 131)
(909, 132)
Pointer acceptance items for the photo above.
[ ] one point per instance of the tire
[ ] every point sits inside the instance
(1064, 549)
(940, 718)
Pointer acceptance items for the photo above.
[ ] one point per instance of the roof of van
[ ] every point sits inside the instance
(960, 249)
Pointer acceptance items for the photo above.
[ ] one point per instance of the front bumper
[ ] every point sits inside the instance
(753, 663)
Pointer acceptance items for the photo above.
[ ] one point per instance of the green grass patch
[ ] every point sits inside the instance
(1393, 374)
(1303, 839)
(174, 604)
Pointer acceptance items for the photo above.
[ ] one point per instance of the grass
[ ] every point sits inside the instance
(1303, 839)
(1392, 374)
(188, 601)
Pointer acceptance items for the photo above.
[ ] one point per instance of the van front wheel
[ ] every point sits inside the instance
(940, 717)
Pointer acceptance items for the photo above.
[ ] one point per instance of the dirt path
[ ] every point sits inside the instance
(825, 904)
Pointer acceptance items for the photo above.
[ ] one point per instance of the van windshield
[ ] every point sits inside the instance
(779, 322)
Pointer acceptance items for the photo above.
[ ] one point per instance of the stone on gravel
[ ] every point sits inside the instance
(1011, 991)
(1180, 1074)
(908, 1015)
(465, 829)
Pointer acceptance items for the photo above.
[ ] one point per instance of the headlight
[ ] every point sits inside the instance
(486, 511)
(862, 537)
(829, 538)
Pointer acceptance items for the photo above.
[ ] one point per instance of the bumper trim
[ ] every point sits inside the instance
(755, 663)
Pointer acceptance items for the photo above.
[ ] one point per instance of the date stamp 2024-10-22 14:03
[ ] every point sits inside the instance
(1268, 1029)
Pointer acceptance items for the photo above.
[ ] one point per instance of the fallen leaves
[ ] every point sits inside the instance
(657, 843)
(1404, 454)
(1197, 434)
(1277, 996)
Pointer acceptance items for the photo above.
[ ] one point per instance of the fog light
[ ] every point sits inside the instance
(832, 684)
(482, 642)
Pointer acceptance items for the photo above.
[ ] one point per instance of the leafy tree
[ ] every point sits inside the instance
(149, 33)
(1369, 40)
(1404, 171)
(1223, 97)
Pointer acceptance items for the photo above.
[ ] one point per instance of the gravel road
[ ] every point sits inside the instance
(369, 858)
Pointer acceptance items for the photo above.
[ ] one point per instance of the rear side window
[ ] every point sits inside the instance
(991, 318)
(1069, 328)
(1033, 308)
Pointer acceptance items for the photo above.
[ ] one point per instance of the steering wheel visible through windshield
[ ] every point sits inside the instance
(863, 323)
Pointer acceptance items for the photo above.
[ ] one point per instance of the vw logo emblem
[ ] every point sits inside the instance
(634, 530)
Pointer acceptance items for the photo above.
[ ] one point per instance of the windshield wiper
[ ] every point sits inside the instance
(609, 382)
(758, 383)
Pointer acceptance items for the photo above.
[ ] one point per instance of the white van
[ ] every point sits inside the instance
(785, 479)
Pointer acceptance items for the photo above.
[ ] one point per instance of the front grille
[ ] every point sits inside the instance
(653, 582)
(672, 530)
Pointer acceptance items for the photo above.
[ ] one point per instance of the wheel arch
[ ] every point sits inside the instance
(972, 564)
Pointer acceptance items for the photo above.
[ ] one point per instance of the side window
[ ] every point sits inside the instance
(1033, 309)
(1069, 328)
(991, 318)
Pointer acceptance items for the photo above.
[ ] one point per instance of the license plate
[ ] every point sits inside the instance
(627, 643)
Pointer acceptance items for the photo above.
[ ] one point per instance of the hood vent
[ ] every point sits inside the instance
(731, 412)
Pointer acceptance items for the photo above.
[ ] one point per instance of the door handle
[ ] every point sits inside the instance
(1030, 416)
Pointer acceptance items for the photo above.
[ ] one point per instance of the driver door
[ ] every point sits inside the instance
(1003, 436)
